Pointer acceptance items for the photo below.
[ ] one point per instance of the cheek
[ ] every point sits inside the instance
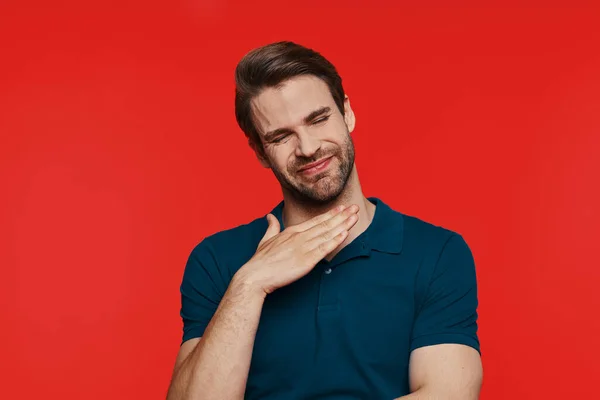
(279, 159)
(337, 132)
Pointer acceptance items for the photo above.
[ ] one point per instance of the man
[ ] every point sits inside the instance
(333, 295)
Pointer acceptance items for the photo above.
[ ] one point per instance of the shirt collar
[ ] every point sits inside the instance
(384, 234)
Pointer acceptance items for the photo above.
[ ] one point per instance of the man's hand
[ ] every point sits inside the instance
(284, 257)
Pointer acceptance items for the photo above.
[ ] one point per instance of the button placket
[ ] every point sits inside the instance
(328, 300)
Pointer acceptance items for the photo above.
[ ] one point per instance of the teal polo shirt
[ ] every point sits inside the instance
(345, 330)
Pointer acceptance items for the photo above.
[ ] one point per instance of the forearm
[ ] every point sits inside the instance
(425, 394)
(418, 395)
(218, 367)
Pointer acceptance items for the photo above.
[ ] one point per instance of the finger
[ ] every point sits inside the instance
(272, 230)
(330, 234)
(328, 225)
(319, 218)
(325, 247)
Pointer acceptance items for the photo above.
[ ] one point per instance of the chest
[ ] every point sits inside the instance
(351, 323)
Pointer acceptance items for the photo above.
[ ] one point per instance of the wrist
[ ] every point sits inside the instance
(244, 283)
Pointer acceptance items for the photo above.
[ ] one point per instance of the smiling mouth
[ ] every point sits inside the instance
(316, 167)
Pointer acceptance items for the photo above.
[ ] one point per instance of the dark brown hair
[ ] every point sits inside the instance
(269, 66)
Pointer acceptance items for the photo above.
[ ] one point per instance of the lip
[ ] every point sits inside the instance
(315, 164)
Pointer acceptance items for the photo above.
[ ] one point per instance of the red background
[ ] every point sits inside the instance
(119, 152)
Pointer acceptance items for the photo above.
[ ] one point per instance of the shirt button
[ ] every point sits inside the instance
(328, 271)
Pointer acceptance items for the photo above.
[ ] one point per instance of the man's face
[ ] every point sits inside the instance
(300, 124)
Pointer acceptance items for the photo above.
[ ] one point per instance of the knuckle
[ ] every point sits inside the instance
(322, 248)
(325, 224)
(300, 249)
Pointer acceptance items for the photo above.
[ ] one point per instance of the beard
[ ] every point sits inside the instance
(322, 188)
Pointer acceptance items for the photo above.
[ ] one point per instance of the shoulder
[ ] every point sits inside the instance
(425, 235)
(442, 254)
(429, 244)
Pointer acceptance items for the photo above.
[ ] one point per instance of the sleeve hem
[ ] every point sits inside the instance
(192, 333)
(445, 338)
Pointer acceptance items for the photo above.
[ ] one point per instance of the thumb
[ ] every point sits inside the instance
(272, 230)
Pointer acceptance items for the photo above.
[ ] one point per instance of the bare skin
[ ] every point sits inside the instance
(300, 124)
(216, 366)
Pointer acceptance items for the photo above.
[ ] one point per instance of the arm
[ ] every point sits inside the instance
(445, 372)
(217, 365)
(445, 362)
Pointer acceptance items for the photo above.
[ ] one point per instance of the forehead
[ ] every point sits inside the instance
(288, 104)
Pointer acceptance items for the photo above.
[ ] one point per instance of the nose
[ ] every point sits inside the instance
(307, 145)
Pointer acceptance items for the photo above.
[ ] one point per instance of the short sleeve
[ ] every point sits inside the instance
(202, 289)
(448, 312)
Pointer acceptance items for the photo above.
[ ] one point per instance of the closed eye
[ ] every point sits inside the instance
(279, 139)
(284, 136)
(320, 120)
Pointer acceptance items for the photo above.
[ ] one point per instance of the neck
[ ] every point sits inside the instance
(295, 213)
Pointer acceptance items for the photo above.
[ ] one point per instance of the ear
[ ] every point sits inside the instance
(349, 117)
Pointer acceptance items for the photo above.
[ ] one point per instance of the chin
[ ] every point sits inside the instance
(322, 195)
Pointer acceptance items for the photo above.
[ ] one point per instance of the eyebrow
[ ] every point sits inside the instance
(309, 118)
